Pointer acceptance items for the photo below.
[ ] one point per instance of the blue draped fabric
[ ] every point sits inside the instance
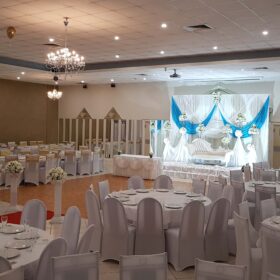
(259, 120)
(190, 127)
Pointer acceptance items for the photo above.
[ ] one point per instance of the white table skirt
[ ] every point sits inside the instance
(129, 165)
(27, 258)
(171, 217)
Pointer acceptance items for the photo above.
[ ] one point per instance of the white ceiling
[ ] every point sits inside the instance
(237, 25)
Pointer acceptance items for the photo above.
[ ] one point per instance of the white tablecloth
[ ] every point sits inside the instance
(171, 217)
(27, 258)
(144, 166)
(249, 186)
(272, 222)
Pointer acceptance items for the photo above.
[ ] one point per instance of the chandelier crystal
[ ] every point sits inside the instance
(64, 60)
(54, 94)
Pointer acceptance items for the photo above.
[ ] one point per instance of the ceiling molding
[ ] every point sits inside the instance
(22, 63)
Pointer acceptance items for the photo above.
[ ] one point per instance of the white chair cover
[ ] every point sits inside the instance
(250, 257)
(268, 175)
(117, 237)
(215, 190)
(236, 175)
(55, 248)
(186, 243)
(148, 267)
(34, 213)
(135, 182)
(163, 182)
(272, 277)
(96, 163)
(76, 267)
(238, 192)
(222, 180)
(85, 162)
(149, 237)
(15, 274)
(31, 171)
(51, 162)
(216, 243)
(4, 265)
(228, 193)
(205, 270)
(71, 229)
(104, 190)
(270, 251)
(70, 163)
(268, 208)
(199, 186)
(88, 242)
(257, 167)
(247, 173)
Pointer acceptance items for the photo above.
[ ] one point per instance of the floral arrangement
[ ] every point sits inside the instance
(151, 154)
(238, 133)
(200, 128)
(227, 129)
(14, 167)
(183, 117)
(253, 130)
(183, 130)
(240, 119)
(216, 97)
(57, 174)
(152, 125)
(226, 140)
(167, 125)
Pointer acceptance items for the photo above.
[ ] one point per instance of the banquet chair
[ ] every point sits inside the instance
(118, 236)
(222, 180)
(163, 182)
(205, 270)
(87, 242)
(262, 193)
(34, 214)
(215, 190)
(135, 182)
(268, 175)
(4, 265)
(71, 228)
(104, 190)
(85, 163)
(149, 235)
(270, 251)
(51, 162)
(215, 240)
(236, 175)
(55, 248)
(250, 257)
(147, 267)
(268, 208)
(186, 243)
(83, 148)
(238, 192)
(70, 162)
(257, 167)
(244, 212)
(247, 173)
(94, 217)
(199, 186)
(76, 267)
(271, 276)
(14, 274)
(31, 171)
(96, 163)
(22, 143)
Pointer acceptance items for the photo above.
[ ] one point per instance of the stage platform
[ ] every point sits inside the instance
(189, 171)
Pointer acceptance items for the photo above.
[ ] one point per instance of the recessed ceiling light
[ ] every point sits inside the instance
(215, 48)
(144, 78)
(117, 56)
(22, 73)
(242, 69)
(56, 82)
(112, 80)
(51, 40)
(18, 78)
(162, 52)
(82, 82)
(117, 38)
(265, 33)
(164, 25)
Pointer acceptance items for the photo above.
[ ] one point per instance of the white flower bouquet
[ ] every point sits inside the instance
(183, 117)
(226, 140)
(57, 174)
(227, 129)
(200, 128)
(167, 125)
(14, 167)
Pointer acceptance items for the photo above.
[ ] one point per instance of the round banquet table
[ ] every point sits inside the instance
(273, 223)
(249, 186)
(28, 257)
(171, 217)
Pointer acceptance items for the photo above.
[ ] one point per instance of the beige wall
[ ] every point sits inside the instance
(26, 113)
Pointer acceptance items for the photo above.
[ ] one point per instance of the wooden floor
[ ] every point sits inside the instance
(73, 191)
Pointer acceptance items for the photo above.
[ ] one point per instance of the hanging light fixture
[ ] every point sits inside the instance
(55, 94)
(64, 60)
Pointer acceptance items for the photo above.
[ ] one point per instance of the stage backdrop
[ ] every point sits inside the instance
(228, 129)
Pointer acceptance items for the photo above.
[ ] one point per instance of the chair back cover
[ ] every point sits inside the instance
(76, 267)
(104, 190)
(238, 192)
(268, 175)
(268, 208)
(4, 265)
(135, 182)
(163, 182)
(216, 243)
(229, 195)
(88, 242)
(85, 163)
(215, 190)
(93, 209)
(147, 267)
(149, 238)
(199, 186)
(257, 167)
(31, 170)
(222, 180)
(247, 173)
(71, 229)
(70, 163)
(205, 270)
(236, 175)
(10, 158)
(270, 251)
(14, 274)
(55, 248)
(34, 214)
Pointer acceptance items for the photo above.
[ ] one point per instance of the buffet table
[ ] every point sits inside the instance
(144, 166)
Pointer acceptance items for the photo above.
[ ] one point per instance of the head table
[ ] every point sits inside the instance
(172, 201)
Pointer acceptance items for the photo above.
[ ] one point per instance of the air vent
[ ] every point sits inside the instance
(261, 68)
(51, 45)
(142, 75)
(199, 27)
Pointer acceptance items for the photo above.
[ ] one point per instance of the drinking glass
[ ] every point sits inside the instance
(4, 221)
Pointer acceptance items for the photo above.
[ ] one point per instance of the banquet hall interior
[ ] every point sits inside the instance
(140, 139)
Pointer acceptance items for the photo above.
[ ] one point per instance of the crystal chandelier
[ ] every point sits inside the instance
(54, 94)
(64, 60)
